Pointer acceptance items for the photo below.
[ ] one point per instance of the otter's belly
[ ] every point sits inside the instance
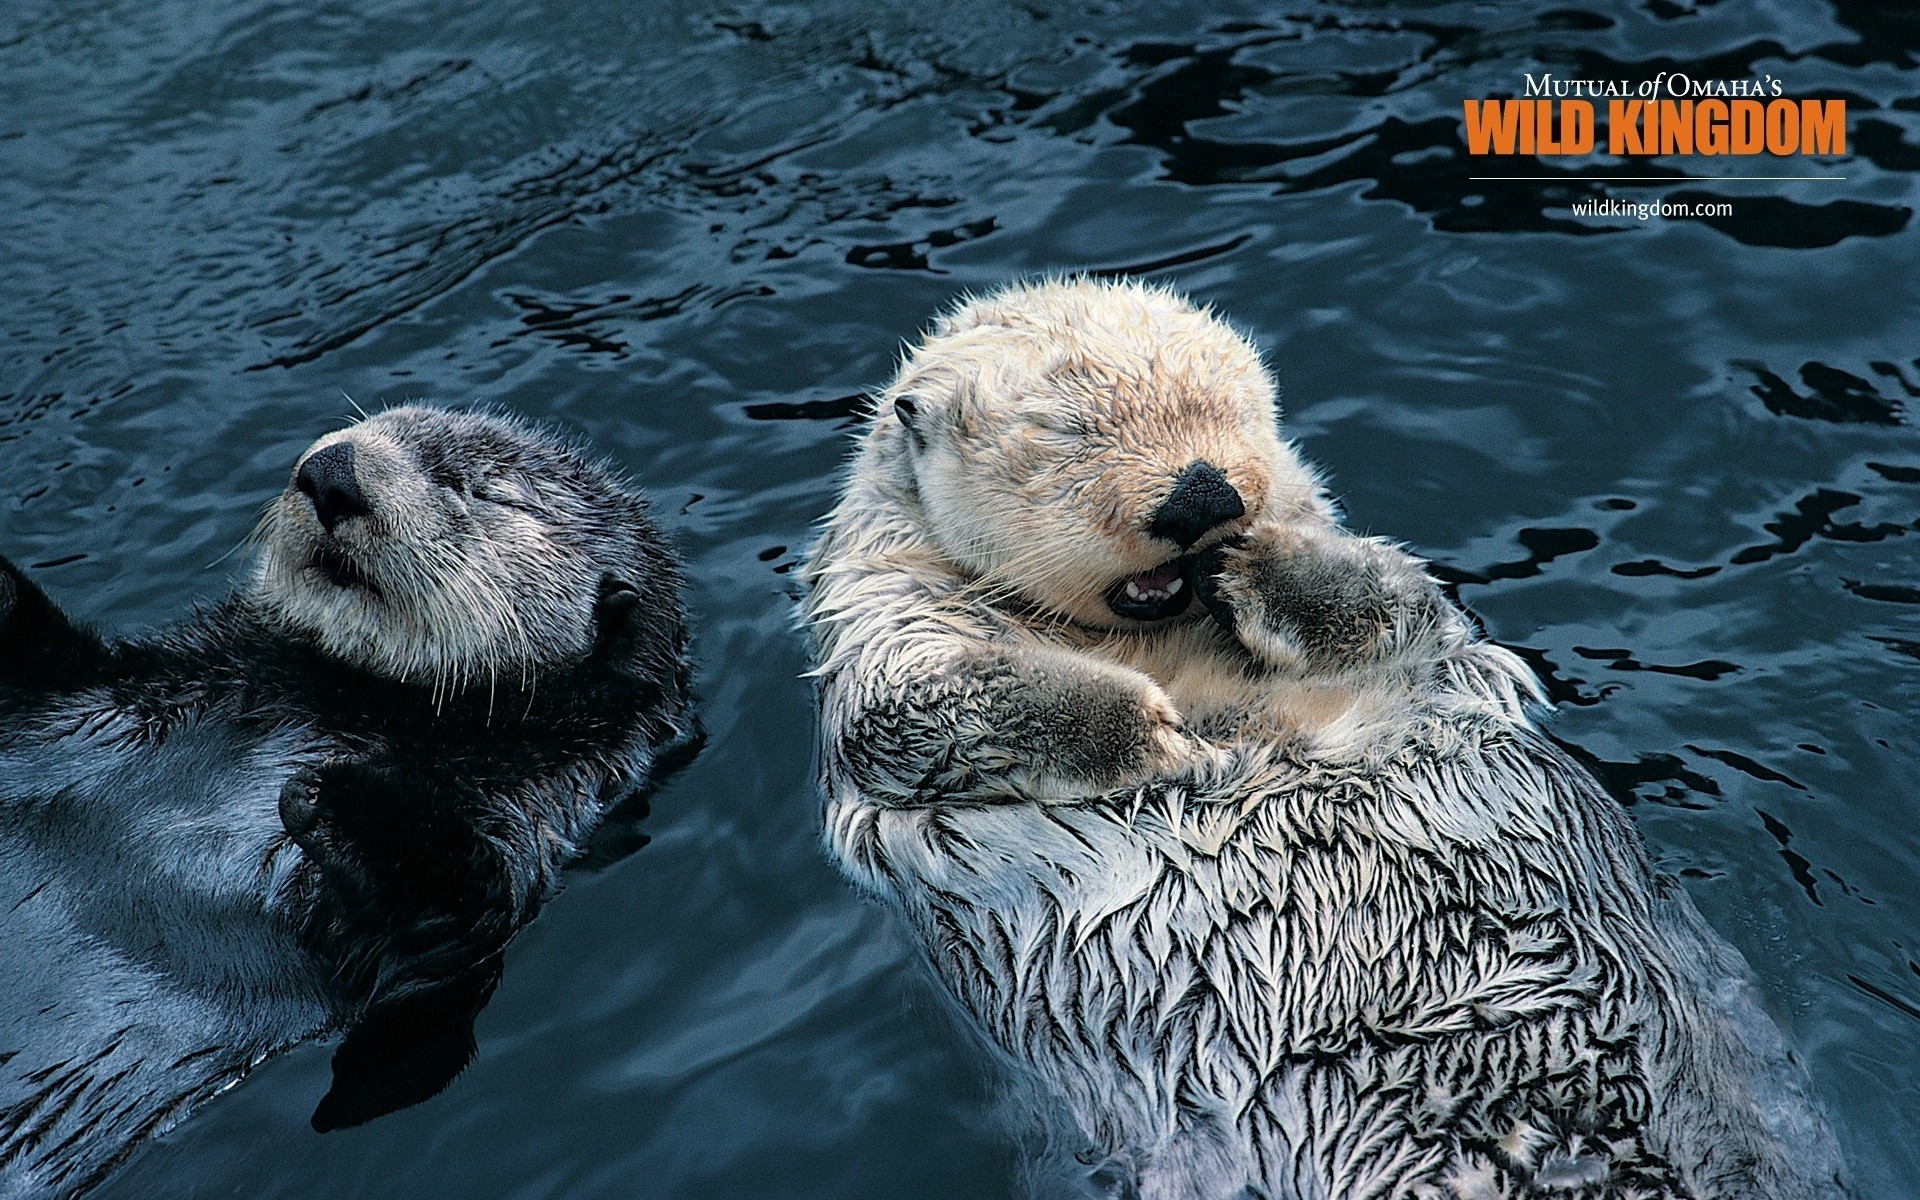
(1294, 980)
(1280, 924)
(144, 960)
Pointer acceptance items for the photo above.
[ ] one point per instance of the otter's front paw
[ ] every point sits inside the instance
(300, 804)
(304, 814)
(1315, 597)
(1095, 727)
(1204, 576)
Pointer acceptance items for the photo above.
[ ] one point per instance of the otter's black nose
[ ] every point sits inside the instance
(1202, 498)
(326, 478)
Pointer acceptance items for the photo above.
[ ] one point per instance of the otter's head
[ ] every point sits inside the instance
(454, 548)
(1077, 443)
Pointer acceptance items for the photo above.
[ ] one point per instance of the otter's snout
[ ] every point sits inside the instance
(327, 479)
(1202, 499)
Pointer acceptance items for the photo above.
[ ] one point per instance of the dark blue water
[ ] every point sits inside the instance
(1675, 462)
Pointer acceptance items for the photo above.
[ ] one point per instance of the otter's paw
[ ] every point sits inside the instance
(1091, 726)
(1205, 577)
(305, 813)
(300, 804)
(1314, 597)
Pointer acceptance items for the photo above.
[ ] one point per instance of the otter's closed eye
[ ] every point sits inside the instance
(443, 476)
(1065, 424)
(509, 491)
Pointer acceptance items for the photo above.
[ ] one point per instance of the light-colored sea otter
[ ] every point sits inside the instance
(1280, 894)
(327, 802)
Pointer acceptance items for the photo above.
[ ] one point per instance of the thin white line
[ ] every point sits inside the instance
(1650, 178)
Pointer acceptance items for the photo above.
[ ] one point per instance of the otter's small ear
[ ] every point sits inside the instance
(908, 410)
(613, 612)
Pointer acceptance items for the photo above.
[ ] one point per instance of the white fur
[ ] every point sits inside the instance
(1379, 939)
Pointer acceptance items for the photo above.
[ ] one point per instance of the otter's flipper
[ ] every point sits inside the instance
(1317, 597)
(413, 907)
(405, 1051)
(41, 647)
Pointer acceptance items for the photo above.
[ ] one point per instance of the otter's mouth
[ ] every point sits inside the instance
(341, 571)
(1153, 595)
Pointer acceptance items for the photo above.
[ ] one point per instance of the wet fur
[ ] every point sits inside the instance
(1284, 897)
(242, 831)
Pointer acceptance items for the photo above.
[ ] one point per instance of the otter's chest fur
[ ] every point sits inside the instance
(1451, 969)
(161, 932)
(147, 951)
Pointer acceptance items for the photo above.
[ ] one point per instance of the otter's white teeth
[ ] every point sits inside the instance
(1152, 595)
(1135, 591)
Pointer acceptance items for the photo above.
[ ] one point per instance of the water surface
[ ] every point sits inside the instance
(1673, 463)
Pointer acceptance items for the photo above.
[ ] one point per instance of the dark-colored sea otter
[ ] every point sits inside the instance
(328, 801)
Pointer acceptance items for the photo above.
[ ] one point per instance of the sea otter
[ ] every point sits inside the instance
(328, 801)
(1223, 824)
